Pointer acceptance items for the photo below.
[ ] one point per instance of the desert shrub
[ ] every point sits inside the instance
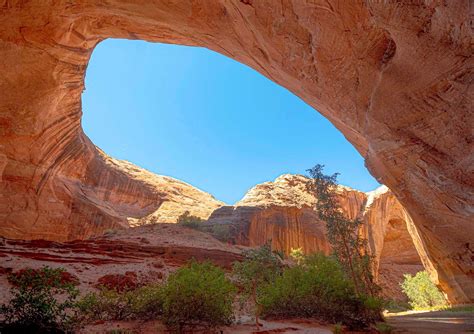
(188, 220)
(297, 254)
(394, 306)
(383, 328)
(42, 301)
(148, 302)
(112, 304)
(221, 232)
(260, 267)
(318, 288)
(422, 292)
(198, 295)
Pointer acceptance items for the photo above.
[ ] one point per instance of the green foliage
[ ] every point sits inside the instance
(395, 306)
(221, 232)
(188, 220)
(462, 308)
(337, 329)
(319, 288)
(41, 303)
(198, 295)
(260, 267)
(384, 328)
(348, 246)
(108, 304)
(422, 292)
(195, 295)
(297, 255)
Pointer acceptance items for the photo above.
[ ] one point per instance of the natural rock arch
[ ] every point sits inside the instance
(394, 77)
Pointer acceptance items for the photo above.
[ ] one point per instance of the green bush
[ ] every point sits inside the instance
(42, 301)
(395, 306)
(260, 267)
(108, 304)
(222, 232)
(384, 328)
(188, 220)
(422, 292)
(318, 288)
(198, 295)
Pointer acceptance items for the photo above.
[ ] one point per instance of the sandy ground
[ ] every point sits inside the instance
(246, 327)
(438, 322)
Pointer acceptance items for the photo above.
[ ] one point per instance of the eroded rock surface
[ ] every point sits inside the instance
(394, 77)
(122, 195)
(146, 253)
(281, 212)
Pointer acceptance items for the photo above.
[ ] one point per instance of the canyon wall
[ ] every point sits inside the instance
(121, 195)
(281, 212)
(394, 77)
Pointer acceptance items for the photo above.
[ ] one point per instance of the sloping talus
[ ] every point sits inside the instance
(394, 77)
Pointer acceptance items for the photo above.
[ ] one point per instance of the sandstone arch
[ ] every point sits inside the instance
(394, 77)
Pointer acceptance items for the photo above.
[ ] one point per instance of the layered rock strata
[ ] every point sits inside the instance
(147, 252)
(281, 212)
(394, 77)
(122, 195)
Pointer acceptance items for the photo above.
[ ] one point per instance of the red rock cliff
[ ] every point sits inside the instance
(282, 212)
(123, 195)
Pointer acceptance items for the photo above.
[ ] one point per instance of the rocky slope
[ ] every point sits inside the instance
(149, 252)
(394, 77)
(281, 212)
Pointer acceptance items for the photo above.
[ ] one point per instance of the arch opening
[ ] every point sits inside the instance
(398, 257)
(205, 119)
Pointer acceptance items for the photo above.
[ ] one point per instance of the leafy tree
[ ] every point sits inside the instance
(422, 292)
(261, 266)
(42, 301)
(188, 220)
(198, 295)
(348, 246)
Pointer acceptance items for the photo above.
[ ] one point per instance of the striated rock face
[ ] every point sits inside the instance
(394, 77)
(394, 243)
(282, 212)
(121, 195)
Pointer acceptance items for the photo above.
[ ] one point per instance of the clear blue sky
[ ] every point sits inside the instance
(208, 120)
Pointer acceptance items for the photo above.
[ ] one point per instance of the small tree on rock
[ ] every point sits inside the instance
(260, 267)
(342, 232)
(188, 220)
